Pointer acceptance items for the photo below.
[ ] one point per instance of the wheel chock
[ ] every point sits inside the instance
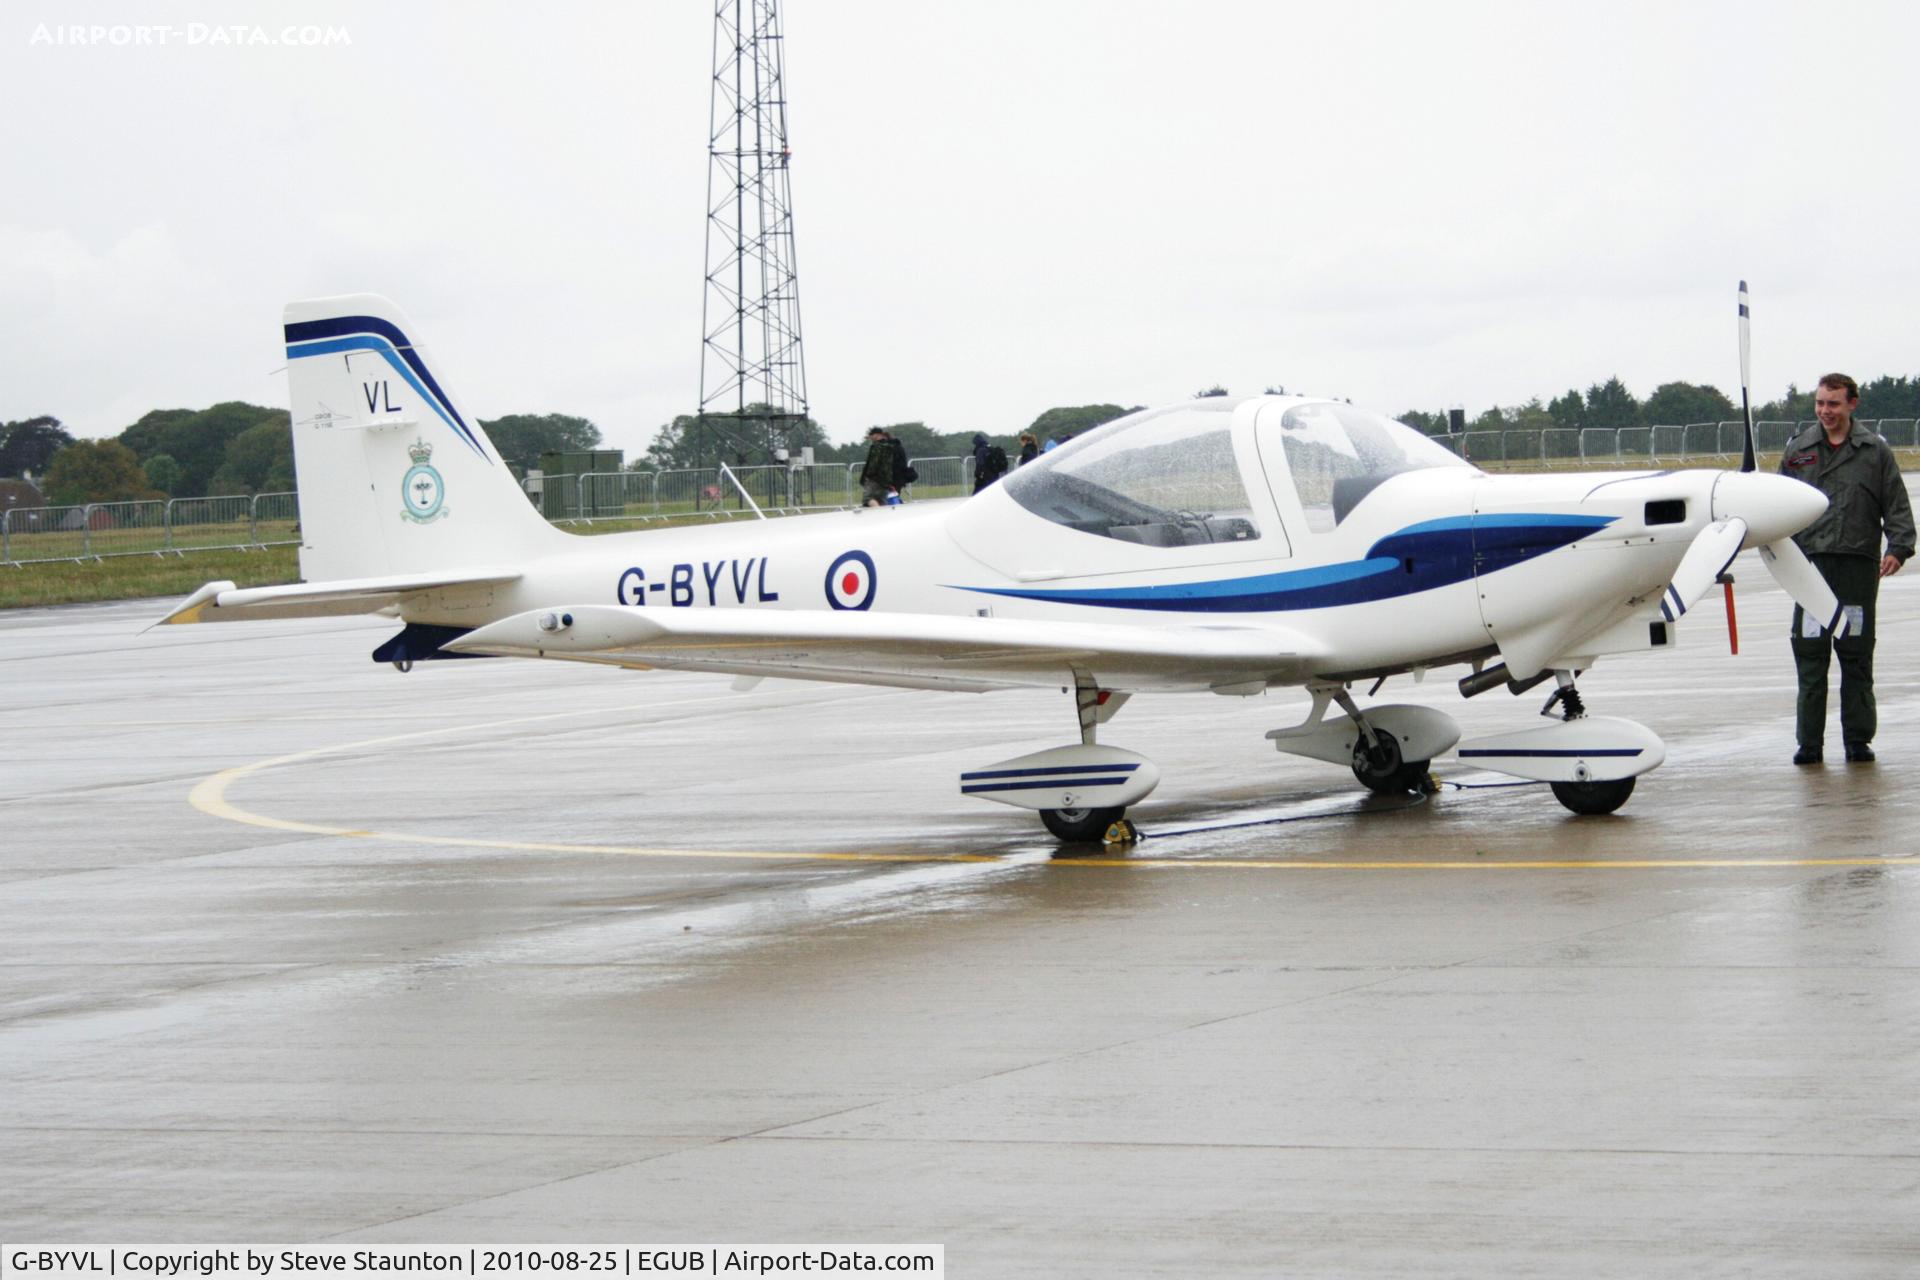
(1121, 832)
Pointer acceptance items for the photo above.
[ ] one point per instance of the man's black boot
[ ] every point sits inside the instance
(1809, 755)
(1859, 753)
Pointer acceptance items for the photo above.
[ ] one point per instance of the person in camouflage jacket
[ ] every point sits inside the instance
(1866, 502)
(877, 477)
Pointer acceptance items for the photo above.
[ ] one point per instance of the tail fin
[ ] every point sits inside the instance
(394, 476)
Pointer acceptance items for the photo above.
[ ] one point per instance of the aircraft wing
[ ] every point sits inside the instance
(918, 651)
(224, 602)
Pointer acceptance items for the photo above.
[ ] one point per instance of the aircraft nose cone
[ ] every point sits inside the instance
(1774, 507)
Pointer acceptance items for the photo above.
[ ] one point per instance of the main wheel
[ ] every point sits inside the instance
(1591, 799)
(1075, 826)
(1381, 769)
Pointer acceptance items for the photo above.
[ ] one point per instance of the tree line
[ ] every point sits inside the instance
(240, 448)
(227, 449)
(1610, 405)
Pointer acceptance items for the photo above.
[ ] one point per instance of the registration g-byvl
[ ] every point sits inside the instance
(686, 583)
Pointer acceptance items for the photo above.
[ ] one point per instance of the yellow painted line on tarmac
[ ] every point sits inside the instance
(210, 797)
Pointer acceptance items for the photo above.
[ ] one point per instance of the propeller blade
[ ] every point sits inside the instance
(1746, 376)
(1797, 576)
(1713, 549)
(1733, 625)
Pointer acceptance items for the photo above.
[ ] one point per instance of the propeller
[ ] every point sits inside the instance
(1746, 361)
(1711, 551)
(1784, 560)
(1797, 576)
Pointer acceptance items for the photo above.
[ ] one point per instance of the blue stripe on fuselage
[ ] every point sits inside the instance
(1420, 557)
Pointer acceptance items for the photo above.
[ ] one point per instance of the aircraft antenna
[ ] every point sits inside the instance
(753, 382)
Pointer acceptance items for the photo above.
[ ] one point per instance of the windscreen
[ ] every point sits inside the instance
(1338, 454)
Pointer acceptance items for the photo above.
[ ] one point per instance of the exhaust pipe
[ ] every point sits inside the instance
(1472, 686)
(1496, 675)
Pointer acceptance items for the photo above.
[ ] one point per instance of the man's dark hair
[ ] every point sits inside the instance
(1841, 382)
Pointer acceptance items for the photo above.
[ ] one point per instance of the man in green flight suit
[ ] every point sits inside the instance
(1865, 498)
(877, 478)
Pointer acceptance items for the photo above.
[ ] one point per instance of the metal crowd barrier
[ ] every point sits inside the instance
(96, 530)
(939, 478)
(645, 497)
(1655, 446)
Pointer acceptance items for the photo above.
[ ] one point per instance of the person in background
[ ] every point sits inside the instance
(1029, 448)
(989, 462)
(877, 476)
(1866, 500)
(980, 480)
(903, 470)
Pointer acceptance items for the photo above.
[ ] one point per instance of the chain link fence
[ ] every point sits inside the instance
(95, 530)
(1667, 445)
(640, 498)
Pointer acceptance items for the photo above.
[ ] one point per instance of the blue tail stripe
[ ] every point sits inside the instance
(307, 332)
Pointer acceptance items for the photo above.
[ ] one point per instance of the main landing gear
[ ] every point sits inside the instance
(1389, 748)
(1381, 768)
(1080, 826)
(1081, 792)
(1590, 762)
(1086, 823)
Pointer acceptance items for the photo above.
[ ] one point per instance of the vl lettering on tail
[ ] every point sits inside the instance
(379, 397)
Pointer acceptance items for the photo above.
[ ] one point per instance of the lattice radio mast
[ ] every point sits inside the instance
(753, 383)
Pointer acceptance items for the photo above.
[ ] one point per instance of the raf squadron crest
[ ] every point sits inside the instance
(422, 487)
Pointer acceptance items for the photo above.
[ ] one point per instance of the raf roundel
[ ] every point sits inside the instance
(850, 581)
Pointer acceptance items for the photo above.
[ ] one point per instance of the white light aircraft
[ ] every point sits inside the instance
(1219, 545)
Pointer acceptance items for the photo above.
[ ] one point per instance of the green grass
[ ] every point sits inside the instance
(139, 577)
(122, 576)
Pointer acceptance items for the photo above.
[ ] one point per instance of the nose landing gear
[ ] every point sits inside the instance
(1582, 794)
(1592, 799)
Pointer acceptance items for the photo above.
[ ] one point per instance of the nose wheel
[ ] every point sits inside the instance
(1591, 799)
(1380, 768)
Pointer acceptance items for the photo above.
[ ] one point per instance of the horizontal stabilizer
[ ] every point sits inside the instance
(224, 602)
(928, 651)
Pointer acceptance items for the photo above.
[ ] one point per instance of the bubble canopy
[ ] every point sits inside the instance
(1168, 477)
(1337, 455)
(1161, 477)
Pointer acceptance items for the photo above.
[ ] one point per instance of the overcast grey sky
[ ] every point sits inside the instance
(999, 206)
